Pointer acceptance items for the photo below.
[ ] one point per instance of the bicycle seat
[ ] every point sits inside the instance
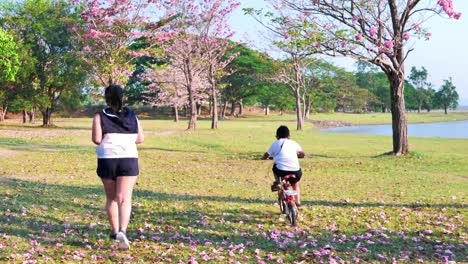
(289, 176)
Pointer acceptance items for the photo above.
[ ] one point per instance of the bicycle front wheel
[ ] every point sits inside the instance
(292, 214)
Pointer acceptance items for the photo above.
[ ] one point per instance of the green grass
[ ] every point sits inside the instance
(205, 194)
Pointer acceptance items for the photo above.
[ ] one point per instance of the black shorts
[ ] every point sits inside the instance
(282, 173)
(113, 168)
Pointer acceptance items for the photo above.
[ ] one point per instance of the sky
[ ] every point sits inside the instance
(444, 55)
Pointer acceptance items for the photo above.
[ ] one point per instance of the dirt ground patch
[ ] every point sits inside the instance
(8, 152)
(329, 123)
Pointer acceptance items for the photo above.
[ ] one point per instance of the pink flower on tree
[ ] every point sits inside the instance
(406, 36)
(447, 6)
(110, 29)
(358, 37)
(388, 44)
(373, 31)
(200, 49)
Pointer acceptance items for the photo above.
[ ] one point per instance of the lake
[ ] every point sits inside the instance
(456, 129)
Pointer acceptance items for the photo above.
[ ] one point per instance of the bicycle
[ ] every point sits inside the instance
(286, 199)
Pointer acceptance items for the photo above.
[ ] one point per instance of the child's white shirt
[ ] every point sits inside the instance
(284, 153)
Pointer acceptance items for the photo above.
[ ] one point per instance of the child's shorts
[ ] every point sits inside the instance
(282, 173)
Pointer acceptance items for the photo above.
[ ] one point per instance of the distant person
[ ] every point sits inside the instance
(116, 131)
(285, 152)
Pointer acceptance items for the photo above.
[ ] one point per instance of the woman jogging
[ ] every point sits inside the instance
(116, 131)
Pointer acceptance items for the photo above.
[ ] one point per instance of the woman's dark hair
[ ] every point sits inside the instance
(282, 132)
(113, 95)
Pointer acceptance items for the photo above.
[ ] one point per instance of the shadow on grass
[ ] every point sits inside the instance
(52, 213)
(411, 154)
(169, 150)
(257, 155)
(23, 145)
(55, 127)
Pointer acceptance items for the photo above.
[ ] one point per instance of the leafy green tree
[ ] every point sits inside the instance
(320, 87)
(9, 65)
(54, 65)
(429, 102)
(283, 99)
(275, 95)
(323, 100)
(447, 96)
(419, 79)
(349, 97)
(411, 96)
(248, 78)
(9, 59)
(370, 77)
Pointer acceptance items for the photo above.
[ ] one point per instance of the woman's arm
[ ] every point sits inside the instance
(97, 130)
(141, 136)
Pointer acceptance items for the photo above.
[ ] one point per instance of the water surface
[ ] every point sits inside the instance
(456, 129)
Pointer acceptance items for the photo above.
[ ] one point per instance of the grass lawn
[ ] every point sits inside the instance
(204, 195)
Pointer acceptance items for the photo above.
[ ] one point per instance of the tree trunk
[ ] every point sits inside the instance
(297, 93)
(298, 109)
(24, 115)
(445, 109)
(281, 111)
(187, 110)
(31, 115)
(267, 110)
(399, 121)
(214, 104)
(176, 113)
(241, 107)
(3, 111)
(192, 113)
(303, 106)
(307, 106)
(210, 106)
(419, 108)
(46, 117)
(199, 108)
(233, 107)
(223, 111)
(192, 104)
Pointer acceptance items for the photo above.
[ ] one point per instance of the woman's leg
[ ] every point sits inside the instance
(111, 204)
(124, 199)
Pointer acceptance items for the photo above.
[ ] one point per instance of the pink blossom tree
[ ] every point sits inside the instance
(214, 31)
(380, 32)
(166, 88)
(199, 49)
(109, 30)
(287, 38)
(185, 57)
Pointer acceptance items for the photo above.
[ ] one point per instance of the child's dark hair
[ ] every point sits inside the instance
(282, 132)
(113, 95)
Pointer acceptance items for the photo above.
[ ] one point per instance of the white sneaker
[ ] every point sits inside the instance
(123, 240)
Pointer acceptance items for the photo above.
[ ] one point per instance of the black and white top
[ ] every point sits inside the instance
(119, 133)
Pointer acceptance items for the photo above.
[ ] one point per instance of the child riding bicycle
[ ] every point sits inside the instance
(285, 153)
